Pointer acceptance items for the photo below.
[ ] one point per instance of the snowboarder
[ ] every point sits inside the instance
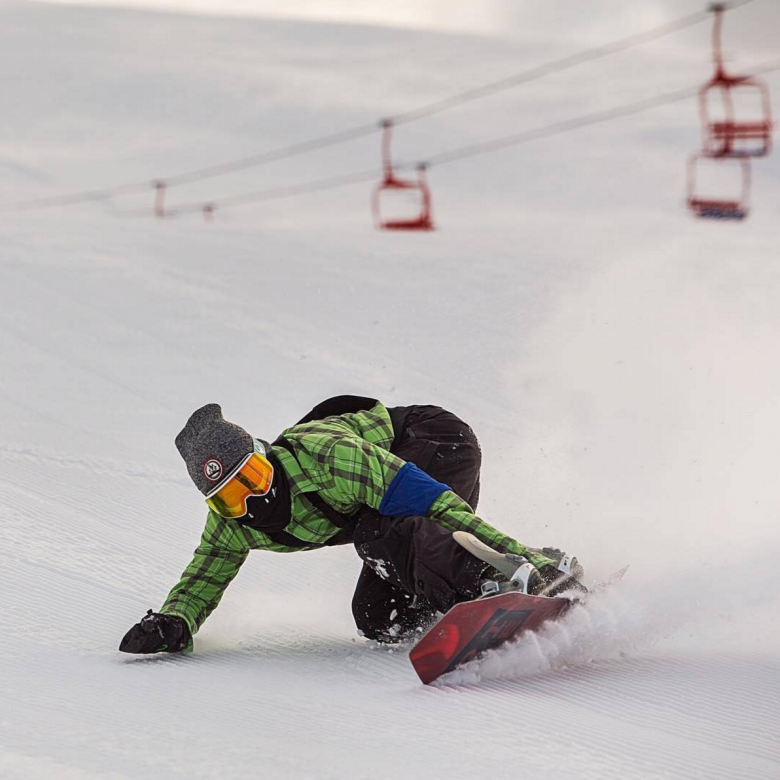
(401, 484)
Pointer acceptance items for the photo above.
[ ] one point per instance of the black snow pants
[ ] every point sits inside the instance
(413, 568)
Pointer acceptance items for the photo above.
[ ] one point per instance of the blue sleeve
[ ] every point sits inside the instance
(411, 493)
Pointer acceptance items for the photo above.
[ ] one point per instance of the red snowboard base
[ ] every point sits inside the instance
(472, 627)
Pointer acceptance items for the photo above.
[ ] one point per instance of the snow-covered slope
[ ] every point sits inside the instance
(617, 360)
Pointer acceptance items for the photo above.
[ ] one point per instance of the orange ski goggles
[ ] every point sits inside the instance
(252, 477)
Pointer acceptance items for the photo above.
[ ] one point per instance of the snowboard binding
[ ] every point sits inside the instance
(515, 573)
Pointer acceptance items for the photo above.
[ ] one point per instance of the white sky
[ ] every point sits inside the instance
(756, 27)
(482, 16)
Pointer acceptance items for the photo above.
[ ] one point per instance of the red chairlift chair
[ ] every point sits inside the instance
(735, 207)
(391, 183)
(727, 134)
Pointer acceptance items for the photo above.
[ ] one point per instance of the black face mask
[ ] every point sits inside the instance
(269, 513)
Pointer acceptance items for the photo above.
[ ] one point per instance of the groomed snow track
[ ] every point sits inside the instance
(617, 360)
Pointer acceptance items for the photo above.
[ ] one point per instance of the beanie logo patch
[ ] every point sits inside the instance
(212, 470)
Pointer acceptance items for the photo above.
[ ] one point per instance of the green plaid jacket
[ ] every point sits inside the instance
(347, 461)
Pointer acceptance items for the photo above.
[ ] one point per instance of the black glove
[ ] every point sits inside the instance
(156, 633)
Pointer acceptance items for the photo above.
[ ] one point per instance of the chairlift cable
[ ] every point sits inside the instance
(557, 128)
(472, 150)
(556, 66)
(363, 130)
(273, 193)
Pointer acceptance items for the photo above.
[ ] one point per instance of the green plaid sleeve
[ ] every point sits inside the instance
(348, 471)
(363, 469)
(452, 512)
(215, 563)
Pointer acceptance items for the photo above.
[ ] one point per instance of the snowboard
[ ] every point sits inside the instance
(473, 627)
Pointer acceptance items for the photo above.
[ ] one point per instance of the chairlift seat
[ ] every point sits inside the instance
(391, 182)
(721, 134)
(717, 209)
(723, 137)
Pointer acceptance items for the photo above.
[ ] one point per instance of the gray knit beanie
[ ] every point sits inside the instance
(212, 447)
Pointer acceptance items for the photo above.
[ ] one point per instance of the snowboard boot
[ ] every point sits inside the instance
(568, 564)
(406, 624)
(505, 571)
(565, 574)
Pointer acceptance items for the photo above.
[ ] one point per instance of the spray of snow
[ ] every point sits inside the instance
(628, 619)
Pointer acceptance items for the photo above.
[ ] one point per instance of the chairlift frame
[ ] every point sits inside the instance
(727, 209)
(391, 182)
(722, 137)
(160, 188)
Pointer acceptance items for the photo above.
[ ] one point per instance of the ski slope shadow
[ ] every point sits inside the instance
(287, 650)
(716, 701)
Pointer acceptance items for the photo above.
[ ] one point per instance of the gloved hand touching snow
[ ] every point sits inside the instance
(156, 633)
